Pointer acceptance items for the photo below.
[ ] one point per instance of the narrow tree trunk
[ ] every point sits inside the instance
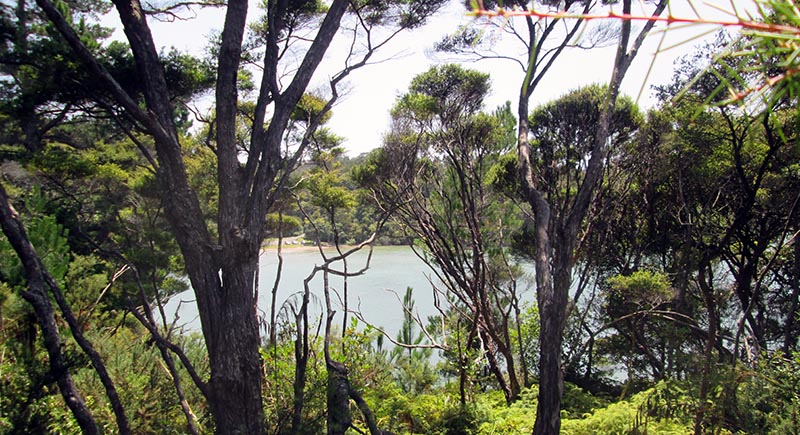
(511, 368)
(58, 369)
(702, 419)
(301, 351)
(191, 419)
(37, 296)
(489, 348)
(463, 363)
(789, 337)
(521, 346)
(372, 423)
(556, 239)
(338, 388)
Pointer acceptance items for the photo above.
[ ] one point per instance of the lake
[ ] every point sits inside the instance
(378, 292)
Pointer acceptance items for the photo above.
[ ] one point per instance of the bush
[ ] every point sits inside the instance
(656, 411)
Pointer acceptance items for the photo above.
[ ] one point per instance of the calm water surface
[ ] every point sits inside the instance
(378, 292)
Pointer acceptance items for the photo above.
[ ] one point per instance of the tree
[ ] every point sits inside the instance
(221, 259)
(709, 202)
(433, 173)
(735, 164)
(413, 370)
(40, 284)
(556, 232)
(562, 139)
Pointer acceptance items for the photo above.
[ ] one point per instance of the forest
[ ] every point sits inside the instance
(661, 243)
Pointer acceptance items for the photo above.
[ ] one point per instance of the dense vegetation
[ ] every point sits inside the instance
(664, 241)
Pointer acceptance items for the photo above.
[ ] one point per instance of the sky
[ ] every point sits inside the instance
(362, 114)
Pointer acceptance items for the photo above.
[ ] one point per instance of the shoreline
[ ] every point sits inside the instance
(299, 243)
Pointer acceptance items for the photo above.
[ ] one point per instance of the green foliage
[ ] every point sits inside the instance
(435, 414)
(412, 367)
(326, 191)
(770, 401)
(298, 14)
(142, 379)
(331, 189)
(503, 175)
(368, 173)
(310, 108)
(527, 335)
(201, 165)
(48, 238)
(638, 415)
(759, 70)
(641, 290)
(563, 133)
(288, 225)
(279, 368)
(23, 395)
(763, 400)
(407, 14)
(186, 75)
(576, 403)
(48, 95)
(505, 419)
(35, 405)
(676, 187)
(405, 414)
(446, 91)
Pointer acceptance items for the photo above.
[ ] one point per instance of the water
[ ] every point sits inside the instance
(377, 294)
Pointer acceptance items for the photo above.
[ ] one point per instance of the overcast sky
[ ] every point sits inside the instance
(362, 115)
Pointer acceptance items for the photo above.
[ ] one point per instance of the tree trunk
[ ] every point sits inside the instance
(702, 420)
(58, 368)
(551, 315)
(489, 349)
(37, 296)
(369, 417)
(555, 237)
(339, 417)
(789, 336)
(235, 363)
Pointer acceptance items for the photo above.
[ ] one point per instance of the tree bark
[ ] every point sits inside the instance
(705, 280)
(339, 417)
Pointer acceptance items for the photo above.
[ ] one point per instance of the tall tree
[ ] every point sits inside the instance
(562, 139)
(221, 259)
(556, 232)
(433, 172)
(736, 199)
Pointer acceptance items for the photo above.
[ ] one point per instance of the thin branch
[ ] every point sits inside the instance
(669, 19)
(201, 385)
